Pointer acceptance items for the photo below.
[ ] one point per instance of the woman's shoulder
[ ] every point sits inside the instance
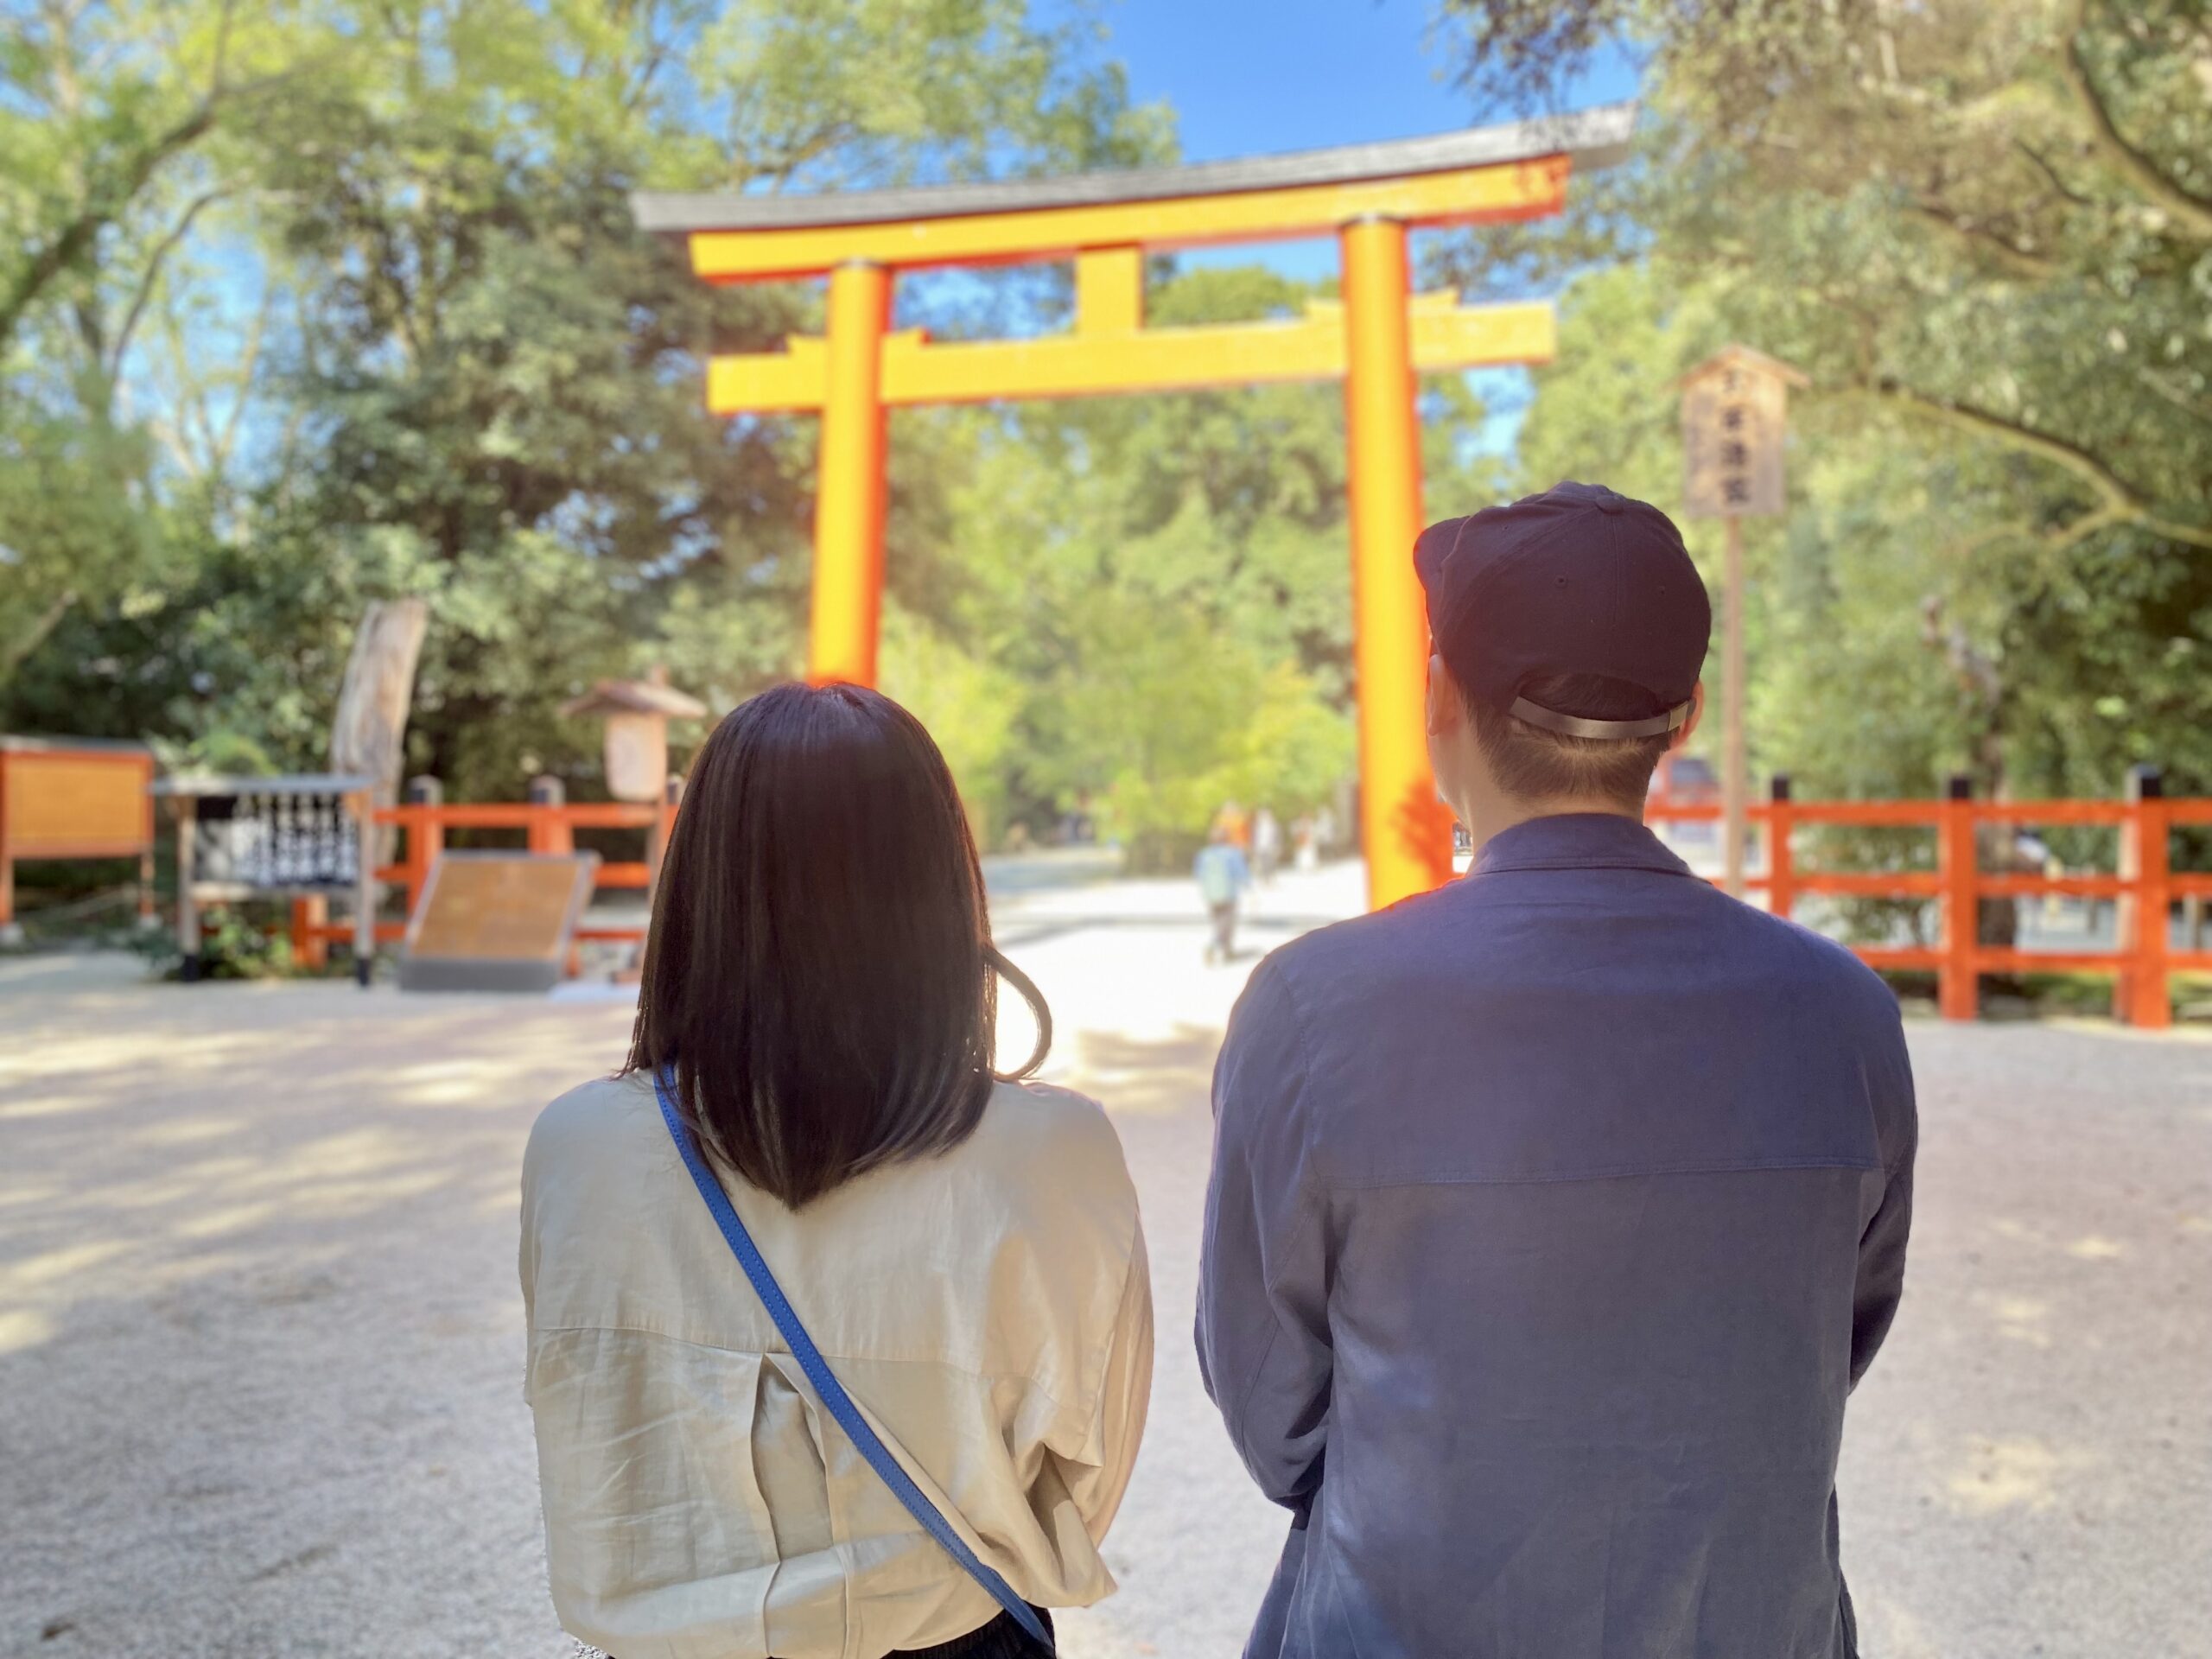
(1037, 1129)
(596, 1125)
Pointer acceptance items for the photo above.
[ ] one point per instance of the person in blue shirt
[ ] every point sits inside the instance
(1555, 1214)
(1222, 874)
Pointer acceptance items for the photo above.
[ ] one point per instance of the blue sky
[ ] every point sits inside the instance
(1256, 77)
(1252, 77)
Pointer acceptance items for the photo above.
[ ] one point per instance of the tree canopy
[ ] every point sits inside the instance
(1985, 230)
(307, 304)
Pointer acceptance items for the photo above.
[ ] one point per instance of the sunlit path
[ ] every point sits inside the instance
(260, 1344)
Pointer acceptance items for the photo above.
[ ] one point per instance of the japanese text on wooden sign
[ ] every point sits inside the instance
(1733, 421)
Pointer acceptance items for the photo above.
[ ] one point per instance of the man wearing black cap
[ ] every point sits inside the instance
(1554, 1213)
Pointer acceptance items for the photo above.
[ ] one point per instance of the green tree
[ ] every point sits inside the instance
(123, 123)
(487, 389)
(1986, 231)
(1163, 581)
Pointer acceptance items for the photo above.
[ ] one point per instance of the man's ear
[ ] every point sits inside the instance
(1682, 734)
(1442, 711)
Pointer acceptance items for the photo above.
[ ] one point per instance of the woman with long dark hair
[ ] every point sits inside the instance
(810, 1117)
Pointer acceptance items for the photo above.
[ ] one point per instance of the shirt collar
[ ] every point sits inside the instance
(1577, 840)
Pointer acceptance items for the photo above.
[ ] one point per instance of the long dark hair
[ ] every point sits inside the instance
(820, 973)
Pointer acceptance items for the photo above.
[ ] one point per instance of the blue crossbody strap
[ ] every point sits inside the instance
(826, 1385)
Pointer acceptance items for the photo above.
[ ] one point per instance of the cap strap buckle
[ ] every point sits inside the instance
(1575, 726)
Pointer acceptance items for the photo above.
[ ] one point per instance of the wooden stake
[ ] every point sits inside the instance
(1732, 711)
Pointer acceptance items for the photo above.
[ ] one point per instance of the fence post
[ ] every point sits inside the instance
(548, 830)
(2143, 997)
(1781, 868)
(426, 837)
(1958, 989)
(368, 892)
(657, 837)
(187, 907)
(309, 948)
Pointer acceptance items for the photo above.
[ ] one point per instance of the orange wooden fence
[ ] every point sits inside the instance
(2142, 962)
(548, 825)
(2143, 959)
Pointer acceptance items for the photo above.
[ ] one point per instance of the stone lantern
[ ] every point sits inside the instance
(637, 713)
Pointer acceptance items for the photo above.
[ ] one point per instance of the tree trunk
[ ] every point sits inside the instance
(368, 737)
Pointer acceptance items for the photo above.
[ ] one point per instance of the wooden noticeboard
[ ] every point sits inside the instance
(496, 921)
(63, 798)
(1735, 421)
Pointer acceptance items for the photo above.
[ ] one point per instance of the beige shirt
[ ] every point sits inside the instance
(988, 1309)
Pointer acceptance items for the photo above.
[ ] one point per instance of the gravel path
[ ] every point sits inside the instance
(260, 1342)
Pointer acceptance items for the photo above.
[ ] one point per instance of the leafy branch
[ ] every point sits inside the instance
(2123, 501)
(2190, 210)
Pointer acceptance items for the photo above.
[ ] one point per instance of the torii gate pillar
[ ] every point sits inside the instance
(850, 501)
(1377, 338)
(1405, 832)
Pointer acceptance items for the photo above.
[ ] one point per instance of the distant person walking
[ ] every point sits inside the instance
(1555, 1213)
(1267, 844)
(810, 1273)
(1235, 824)
(1222, 875)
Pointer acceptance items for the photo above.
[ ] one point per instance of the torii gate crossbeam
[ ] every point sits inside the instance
(1378, 338)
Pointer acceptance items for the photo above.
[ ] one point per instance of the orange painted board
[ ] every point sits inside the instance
(1916, 812)
(76, 803)
(2084, 887)
(1879, 884)
(2050, 962)
(342, 932)
(1898, 956)
(1496, 192)
(2052, 812)
(588, 814)
(916, 371)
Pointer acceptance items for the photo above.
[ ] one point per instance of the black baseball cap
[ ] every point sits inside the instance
(1578, 580)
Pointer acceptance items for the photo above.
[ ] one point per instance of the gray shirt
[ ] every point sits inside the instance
(1554, 1215)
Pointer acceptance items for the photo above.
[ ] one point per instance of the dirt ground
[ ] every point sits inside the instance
(261, 1347)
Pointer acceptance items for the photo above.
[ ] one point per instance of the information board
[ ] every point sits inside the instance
(496, 921)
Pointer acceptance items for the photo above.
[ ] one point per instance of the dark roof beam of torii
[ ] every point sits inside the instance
(1591, 138)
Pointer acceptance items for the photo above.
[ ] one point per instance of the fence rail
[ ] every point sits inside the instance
(2143, 959)
(548, 825)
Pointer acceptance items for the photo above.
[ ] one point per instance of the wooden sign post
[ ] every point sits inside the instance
(1735, 419)
(637, 713)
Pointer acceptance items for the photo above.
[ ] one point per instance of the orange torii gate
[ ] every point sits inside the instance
(1378, 338)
